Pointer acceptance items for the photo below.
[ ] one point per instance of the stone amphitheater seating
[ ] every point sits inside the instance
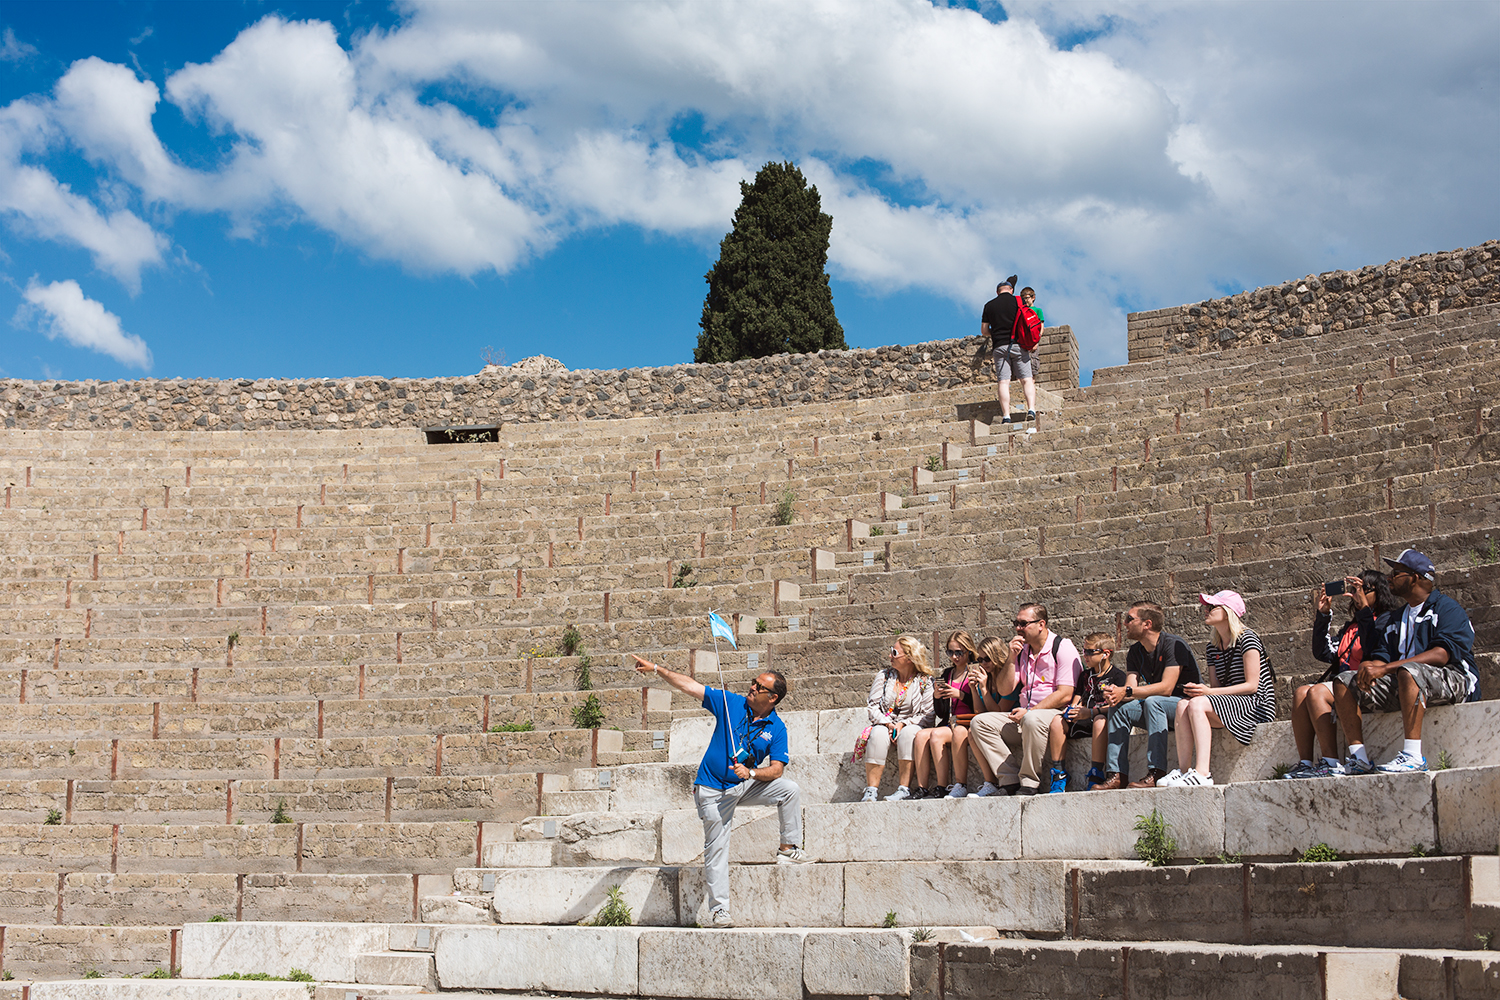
(206, 631)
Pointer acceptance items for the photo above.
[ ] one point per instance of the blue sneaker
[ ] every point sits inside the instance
(1300, 770)
(1353, 765)
(1403, 762)
(1059, 780)
(1326, 769)
(1094, 777)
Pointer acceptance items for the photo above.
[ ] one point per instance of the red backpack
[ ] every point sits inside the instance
(1027, 330)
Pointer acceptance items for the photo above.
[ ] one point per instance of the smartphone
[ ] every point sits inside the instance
(1334, 588)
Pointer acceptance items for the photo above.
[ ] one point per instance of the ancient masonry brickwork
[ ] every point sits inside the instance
(1324, 303)
(508, 397)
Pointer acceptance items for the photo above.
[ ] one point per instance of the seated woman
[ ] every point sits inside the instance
(1370, 604)
(900, 706)
(956, 693)
(1089, 713)
(996, 694)
(1243, 694)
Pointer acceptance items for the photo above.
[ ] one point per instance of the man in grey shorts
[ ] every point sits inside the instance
(1424, 657)
(1011, 360)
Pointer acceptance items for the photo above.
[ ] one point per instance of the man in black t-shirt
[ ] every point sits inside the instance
(1156, 668)
(997, 323)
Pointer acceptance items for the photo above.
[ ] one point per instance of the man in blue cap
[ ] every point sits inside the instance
(1424, 657)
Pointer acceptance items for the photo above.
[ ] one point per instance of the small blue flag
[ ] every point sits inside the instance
(720, 628)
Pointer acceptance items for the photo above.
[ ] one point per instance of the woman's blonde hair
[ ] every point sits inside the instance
(913, 648)
(997, 651)
(1236, 626)
(964, 639)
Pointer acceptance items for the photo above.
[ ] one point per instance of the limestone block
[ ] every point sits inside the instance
(555, 959)
(1360, 975)
(856, 963)
(406, 968)
(768, 895)
(966, 830)
(455, 908)
(1468, 809)
(689, 738)
(597, 838)
(1470, 733)
(755, 836)
(568, 895)
(838, 728)
(413, 937)
(1364, 815)
(1102, 824)
(693, 963)
(69, 847)
(1196, 902)
(167, 989)
(1025, 896)
(388, 847)
(518, 854)
(289, 896)
(258, 847)
(326, 950)
(1402, 903)
(652, 787)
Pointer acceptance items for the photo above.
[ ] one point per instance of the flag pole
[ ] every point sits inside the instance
(733, 744)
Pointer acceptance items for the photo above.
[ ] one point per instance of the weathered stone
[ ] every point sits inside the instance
(555, 959)
(856, 963)
(692, 963)
(568, 895)
(1025, 896)
(968, 830)
(768, 895)
(1371, 814)
(1102, 824)
(326, 951)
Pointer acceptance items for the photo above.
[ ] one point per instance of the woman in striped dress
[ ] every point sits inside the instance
(1243, 693)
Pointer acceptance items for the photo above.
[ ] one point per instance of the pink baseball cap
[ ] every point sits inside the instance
(1225, 599)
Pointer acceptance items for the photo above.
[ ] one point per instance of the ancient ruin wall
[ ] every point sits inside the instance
(504, 396)
(1325, 303)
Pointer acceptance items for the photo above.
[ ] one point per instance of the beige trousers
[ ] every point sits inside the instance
(1017, 751)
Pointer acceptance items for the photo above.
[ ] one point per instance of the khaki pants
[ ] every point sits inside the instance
(1017, 751)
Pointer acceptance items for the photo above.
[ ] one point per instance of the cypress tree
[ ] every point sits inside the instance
(768, 293)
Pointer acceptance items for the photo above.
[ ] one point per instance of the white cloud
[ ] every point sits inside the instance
(83, 322)
(12, 49)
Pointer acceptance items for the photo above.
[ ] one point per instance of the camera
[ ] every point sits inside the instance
(746, 756)
(1334, 588)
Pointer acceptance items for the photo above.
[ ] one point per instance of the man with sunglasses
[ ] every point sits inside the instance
(1157, 666)
(1047, 668)
(1424, 657)
(743, 765)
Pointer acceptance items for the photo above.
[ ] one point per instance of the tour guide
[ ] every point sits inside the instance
(742, 766)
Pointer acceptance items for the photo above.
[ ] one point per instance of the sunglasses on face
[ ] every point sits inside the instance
(1096, 652)
(1022, 622)
(755, 688)
(1132, 618)
(895, 651)
(956, 653)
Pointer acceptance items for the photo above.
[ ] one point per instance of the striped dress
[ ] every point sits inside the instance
(1241, 712)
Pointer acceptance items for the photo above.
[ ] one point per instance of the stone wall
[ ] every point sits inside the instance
(505, 396)
(1324, 303)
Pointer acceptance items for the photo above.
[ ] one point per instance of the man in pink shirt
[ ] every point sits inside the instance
(1047, 668)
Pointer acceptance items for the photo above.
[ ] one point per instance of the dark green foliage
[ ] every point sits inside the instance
(614, 913)
(1318, 853)
(589, 715)
(768, 293)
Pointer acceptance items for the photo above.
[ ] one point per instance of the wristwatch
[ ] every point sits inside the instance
(752, 774)
(1129, 691)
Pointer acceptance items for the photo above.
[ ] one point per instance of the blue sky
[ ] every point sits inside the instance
(328, 189)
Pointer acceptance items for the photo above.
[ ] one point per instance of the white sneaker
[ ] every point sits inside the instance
(958, 791)
(1193, 779)
(871, 794)
(1172, 777)
(792, 856)
(721, 918)
(901, 793)
(987, 789)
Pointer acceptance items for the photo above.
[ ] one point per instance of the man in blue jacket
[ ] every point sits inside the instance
(742, 766)
(1424, 657)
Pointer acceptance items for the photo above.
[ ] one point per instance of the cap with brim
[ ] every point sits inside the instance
(1415, 561)
(1225, 599)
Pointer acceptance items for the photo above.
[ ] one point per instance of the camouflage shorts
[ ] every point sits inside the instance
(1438, 686)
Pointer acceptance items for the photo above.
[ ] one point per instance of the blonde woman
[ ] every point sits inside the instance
(956, 697)
(900, 706)
(996, 694)
(1244, 691)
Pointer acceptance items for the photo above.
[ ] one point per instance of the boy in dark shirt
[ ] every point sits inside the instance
(1089, 712)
